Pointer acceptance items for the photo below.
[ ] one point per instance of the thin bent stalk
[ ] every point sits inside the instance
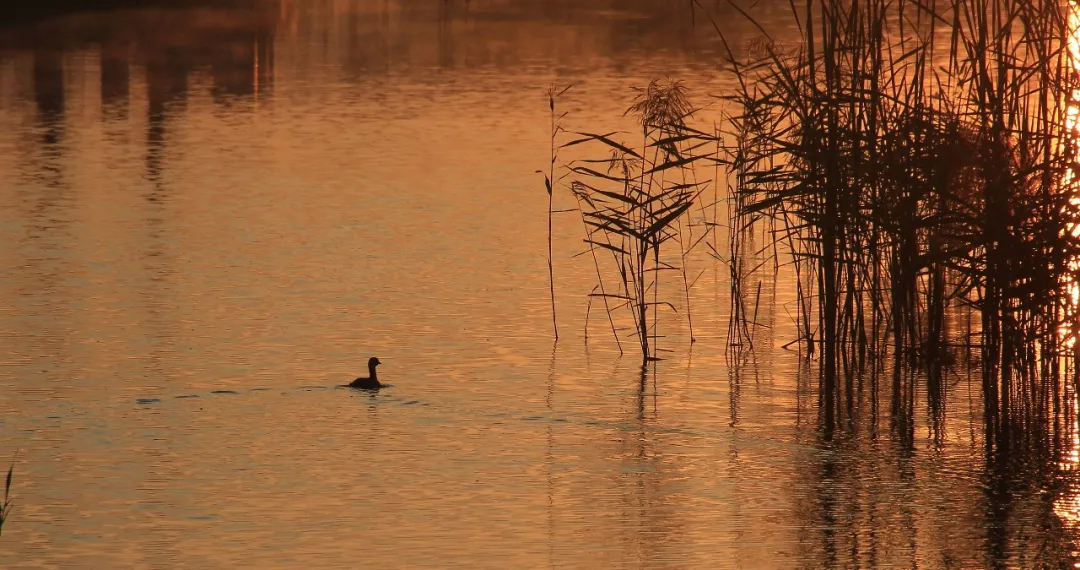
(633, 202)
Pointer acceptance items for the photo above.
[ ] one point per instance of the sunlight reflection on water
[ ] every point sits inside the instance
(203, 248)
(1067, 504)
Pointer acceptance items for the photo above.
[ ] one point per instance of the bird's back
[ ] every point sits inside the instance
(366, 383)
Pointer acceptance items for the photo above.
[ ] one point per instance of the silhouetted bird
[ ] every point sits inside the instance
(371, 383)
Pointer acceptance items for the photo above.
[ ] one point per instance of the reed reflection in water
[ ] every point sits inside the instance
(212, 216)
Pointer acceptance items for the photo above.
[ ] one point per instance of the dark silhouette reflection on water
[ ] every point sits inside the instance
(650, 489)
(236, 45)
(886, 503)
(549, 456)
(43, 247)
(115, 78)
(49, 151)
(166, 83)
(49, 94)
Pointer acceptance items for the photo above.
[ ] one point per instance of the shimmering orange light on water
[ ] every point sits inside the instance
(1067, 504)
(1072, 117)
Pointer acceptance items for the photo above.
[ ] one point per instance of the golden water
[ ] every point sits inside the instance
(211, 218)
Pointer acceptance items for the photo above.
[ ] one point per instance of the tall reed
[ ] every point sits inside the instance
(5, 506)
(549, 182)
(633, 202)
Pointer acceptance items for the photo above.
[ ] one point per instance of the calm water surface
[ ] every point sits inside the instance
(212, 217)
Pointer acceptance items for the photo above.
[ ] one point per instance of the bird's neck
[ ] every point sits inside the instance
(372, 370)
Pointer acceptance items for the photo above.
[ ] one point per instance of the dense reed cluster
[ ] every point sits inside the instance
(913, 164)
(918, 160)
